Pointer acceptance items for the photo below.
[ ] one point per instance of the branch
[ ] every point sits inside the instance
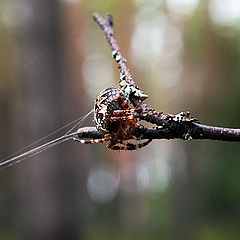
(126, 81)
(107, 27)
(170, 126)
(184, 131)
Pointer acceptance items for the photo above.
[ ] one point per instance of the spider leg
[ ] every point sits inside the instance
(127, 146)
(131, 111)
(90, 141)
(124, 104)
(133, 115)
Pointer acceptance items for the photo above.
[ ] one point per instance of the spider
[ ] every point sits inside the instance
(114, 117)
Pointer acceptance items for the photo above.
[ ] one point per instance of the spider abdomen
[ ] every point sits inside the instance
(105, 104)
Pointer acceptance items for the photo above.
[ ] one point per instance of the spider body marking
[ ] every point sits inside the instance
(106, 103)
(114, 117)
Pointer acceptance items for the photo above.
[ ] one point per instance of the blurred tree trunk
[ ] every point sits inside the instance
(184, 191)
(45, 185)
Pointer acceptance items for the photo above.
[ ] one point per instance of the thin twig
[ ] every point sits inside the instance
(126, 82)
(107, 27)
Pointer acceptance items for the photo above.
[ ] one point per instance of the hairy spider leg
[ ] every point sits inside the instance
(127, 146)
(124, 104)
(130, 111)
(133, 116)
(90, 141)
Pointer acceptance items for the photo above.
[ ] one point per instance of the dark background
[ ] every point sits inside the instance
(55, 60)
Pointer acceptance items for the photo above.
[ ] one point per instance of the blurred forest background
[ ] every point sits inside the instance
(185, 54)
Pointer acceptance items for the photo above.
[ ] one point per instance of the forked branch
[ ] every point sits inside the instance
(169, 126)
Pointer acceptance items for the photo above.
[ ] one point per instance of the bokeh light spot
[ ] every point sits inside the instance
(224, 13)
(182, 7)
(102, 184)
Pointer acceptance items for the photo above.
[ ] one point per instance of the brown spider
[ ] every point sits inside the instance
(114, 117)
